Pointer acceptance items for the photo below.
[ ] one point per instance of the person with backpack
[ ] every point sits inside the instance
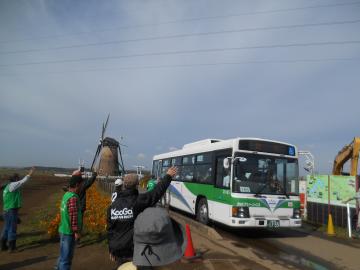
(127, 205)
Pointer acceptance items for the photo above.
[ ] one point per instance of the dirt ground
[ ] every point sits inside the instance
(35, 250)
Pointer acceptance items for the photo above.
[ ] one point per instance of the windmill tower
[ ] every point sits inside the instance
(109, 155)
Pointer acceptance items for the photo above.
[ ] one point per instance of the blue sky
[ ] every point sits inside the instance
(173, 72)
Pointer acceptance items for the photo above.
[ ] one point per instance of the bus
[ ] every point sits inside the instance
(241, 182)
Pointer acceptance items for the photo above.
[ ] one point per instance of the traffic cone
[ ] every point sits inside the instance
(330, 227)
(189, 253)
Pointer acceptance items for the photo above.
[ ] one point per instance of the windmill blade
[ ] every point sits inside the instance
(121, 163)
(104, 127)
(96, 155)
(123, 145)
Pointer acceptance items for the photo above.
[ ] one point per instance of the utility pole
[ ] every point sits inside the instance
(309, 161)
(139, 168)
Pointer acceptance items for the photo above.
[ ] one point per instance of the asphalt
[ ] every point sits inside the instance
(213, 251)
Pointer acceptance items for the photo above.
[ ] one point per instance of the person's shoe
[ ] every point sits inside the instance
(12, 246)
(4, 246)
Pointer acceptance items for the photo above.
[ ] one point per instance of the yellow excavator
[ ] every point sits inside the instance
(349, 152)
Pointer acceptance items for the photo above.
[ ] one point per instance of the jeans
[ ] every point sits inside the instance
(10, 224)
(67, 246)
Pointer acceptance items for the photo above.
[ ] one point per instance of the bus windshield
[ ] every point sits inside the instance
(262, 174)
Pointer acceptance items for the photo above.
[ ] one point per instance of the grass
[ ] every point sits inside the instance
(32, 231)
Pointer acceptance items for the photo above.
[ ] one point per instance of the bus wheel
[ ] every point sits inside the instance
(202, 212)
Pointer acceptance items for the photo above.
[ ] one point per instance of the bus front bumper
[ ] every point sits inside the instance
(265, 222)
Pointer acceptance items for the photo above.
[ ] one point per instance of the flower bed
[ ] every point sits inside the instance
(95, 214)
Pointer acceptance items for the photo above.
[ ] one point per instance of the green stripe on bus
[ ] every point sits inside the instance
(223, 196)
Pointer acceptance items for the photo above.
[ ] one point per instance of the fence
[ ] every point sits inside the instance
(318, 213)
(107, 184)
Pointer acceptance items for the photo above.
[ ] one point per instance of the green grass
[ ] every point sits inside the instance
(31, 231)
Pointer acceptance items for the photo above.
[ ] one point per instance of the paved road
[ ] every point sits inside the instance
(300, 248)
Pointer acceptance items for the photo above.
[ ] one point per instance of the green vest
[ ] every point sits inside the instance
(65, 226)
(151, 184)
(11, 199)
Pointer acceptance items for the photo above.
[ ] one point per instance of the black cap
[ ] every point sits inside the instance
(75, 179)
(15, 177)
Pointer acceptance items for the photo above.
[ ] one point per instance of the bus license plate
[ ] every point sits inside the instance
(273, 223)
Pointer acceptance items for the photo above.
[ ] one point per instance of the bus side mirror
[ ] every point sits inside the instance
(226, 163)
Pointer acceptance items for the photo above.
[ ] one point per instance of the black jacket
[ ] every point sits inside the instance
(122, 213)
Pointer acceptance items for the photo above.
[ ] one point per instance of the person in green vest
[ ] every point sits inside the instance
(12, 201)
(70, 222)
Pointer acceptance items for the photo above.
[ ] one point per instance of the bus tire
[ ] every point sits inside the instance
(202, 211)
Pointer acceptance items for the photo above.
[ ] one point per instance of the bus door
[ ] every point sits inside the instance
(176, 196)
(221, 208)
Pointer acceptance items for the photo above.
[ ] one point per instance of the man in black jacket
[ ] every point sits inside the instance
(123, 211)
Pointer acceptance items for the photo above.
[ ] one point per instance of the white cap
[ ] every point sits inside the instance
(127, 266)
(118, 182)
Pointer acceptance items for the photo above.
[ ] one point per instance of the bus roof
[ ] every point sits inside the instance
(209, 145)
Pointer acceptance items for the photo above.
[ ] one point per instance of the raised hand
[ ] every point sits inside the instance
(31, 171)
(172, 171)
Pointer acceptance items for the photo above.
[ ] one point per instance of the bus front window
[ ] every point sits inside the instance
(260, 174)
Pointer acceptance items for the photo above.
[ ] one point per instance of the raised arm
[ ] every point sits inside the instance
(88, 182)
(152, 197)
(16, 185)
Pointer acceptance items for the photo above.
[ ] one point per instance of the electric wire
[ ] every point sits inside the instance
(194, 51)
(184, 36)
(184, 21)
(290, 61)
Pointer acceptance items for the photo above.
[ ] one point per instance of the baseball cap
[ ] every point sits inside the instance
(118, 182)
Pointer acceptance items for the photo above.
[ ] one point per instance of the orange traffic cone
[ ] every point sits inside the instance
(190, 251)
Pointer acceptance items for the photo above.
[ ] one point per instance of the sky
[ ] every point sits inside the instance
(173, 72)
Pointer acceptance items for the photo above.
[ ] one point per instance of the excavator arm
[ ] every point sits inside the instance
(350, 151)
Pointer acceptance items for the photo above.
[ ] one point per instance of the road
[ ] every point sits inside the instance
(300, 248)
(297, 248)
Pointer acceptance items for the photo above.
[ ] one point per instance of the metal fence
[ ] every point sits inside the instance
(107, 185)
(318, 213)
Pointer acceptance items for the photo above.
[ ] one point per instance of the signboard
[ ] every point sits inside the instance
(341, 188)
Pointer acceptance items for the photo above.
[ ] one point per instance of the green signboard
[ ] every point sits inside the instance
(341, 188)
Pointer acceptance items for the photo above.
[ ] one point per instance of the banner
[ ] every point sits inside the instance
(341, 188)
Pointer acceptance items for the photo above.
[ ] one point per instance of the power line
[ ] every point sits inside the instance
(291, 61)
(185, 21)
(290, 45)
(186, 35)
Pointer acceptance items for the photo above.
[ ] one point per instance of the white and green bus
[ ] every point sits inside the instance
(242, 182)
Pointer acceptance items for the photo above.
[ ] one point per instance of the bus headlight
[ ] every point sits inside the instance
(296, 213)
(240, 212)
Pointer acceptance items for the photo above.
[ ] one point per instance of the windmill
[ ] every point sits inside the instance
(109, 154)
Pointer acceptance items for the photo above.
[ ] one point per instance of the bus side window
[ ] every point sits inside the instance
(176, 161)
(222, 174)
